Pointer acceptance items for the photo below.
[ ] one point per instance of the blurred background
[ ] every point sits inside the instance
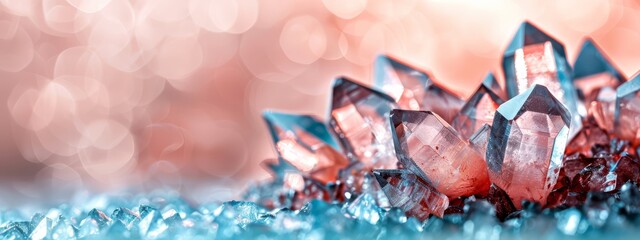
(108, 95)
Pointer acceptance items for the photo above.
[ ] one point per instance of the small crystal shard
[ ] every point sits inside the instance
(533, 57)
(428, 146)
(151, 224)
(359, 116)
(602, 109)
(479, 109)
(627, 114)
(413, 89)
(365, 208)
(528, 138)
(593, 70)
(413, 195)
(306, 143)
(501, 201)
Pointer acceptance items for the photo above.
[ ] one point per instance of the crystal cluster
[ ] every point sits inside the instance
(559, 141)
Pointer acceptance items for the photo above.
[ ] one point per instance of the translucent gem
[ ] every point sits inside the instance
(407, 191)
(593, 70)
(627, 114)
(63, 229)
(527, 141)
(365, 208)
(359, 116)
(306, 143)
(238, 213)
(151, 223)
(13, 232)
(479, 109)
(480, 139)
(533, 57)
(588, 136)
(41, 228)
(428, 146)
(413, 89)
(602, 109)
(126, 216)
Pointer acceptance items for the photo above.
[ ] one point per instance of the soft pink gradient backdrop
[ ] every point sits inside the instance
(111, 93)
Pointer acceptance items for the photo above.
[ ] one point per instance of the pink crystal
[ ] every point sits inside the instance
(359, 116)
(416, 197)
(428, 146)
(479, 109)
(627, 113)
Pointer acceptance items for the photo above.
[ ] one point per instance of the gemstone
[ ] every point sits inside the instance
(151, 223)
(602, 109)
(479, 109)
(365, 208)
(590, 135)
(407, 191)
(593, 70)
(306, 143)
(627, 113)
(428, 146)
(359, 116)
(413, 89)
(533, 57)
(528, 138)
(480, 139)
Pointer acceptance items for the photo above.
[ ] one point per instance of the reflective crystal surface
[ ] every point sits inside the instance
(359, 116)
(428, 146)
(602, 109)
(410, 193)
(479, 108)
(533, 57)
(414, 89)
(627, 113)
(306, 143)
(528, 138)
(480, 140)
(593, 70)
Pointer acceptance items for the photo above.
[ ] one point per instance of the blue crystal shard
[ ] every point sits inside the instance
(360, 118)
(627, 109)
(126, 216)
(533, 57)
(479, 109)
(151, 223)
(526, 144)
(593, 70)
(413, 89)
(13, 232)
(63, 229)
(365, 208)
(282, 124)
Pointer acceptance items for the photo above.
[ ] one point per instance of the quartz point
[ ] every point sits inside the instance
(480, 139)
(479, 109)
(410, 193)
(602, 109)
(593, 70)
(533, 57)
(627, 112)
(526, 145)
(359, 117)
(428, 146)
(414, 89)
(306, 143)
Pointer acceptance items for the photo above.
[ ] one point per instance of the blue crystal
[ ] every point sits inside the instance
(364, 207)
(63, 229)
(592, 61)
(151, 224)
(479, 108)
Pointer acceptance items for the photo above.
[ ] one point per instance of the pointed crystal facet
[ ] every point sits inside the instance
(593, 70)
(627, 113)
(306, 143)
(359, 116)
(602, 108)
(533, 57)
(411, 194)
(527, 141)
(480, 139)
(413, 89)
(364, 207)
(151, 223)
(428, 146)
(479, 109)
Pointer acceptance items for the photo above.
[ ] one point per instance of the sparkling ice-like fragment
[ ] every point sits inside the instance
(527, 141)
(359, 116)
(414, 89)
(533, 57)
(428, 146)
(407, 191)
(627, 114)
(479, 109)
(306, 143)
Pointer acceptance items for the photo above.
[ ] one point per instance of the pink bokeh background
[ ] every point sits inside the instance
(169, 93)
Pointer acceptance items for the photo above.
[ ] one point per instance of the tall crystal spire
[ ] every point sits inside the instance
(306, 143)
(533, 57)
(360, 118)
(479, 109)
(627, 113)
(428, 146)
(414, 89)
(526, 144)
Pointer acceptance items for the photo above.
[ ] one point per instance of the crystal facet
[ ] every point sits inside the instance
(533, 57)
(410, 193)
(627, 114)
(593, 70)
(306, 143)
(414, 89)
(528, 138)
(359, 116)
(479, 109)
(428, 146)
